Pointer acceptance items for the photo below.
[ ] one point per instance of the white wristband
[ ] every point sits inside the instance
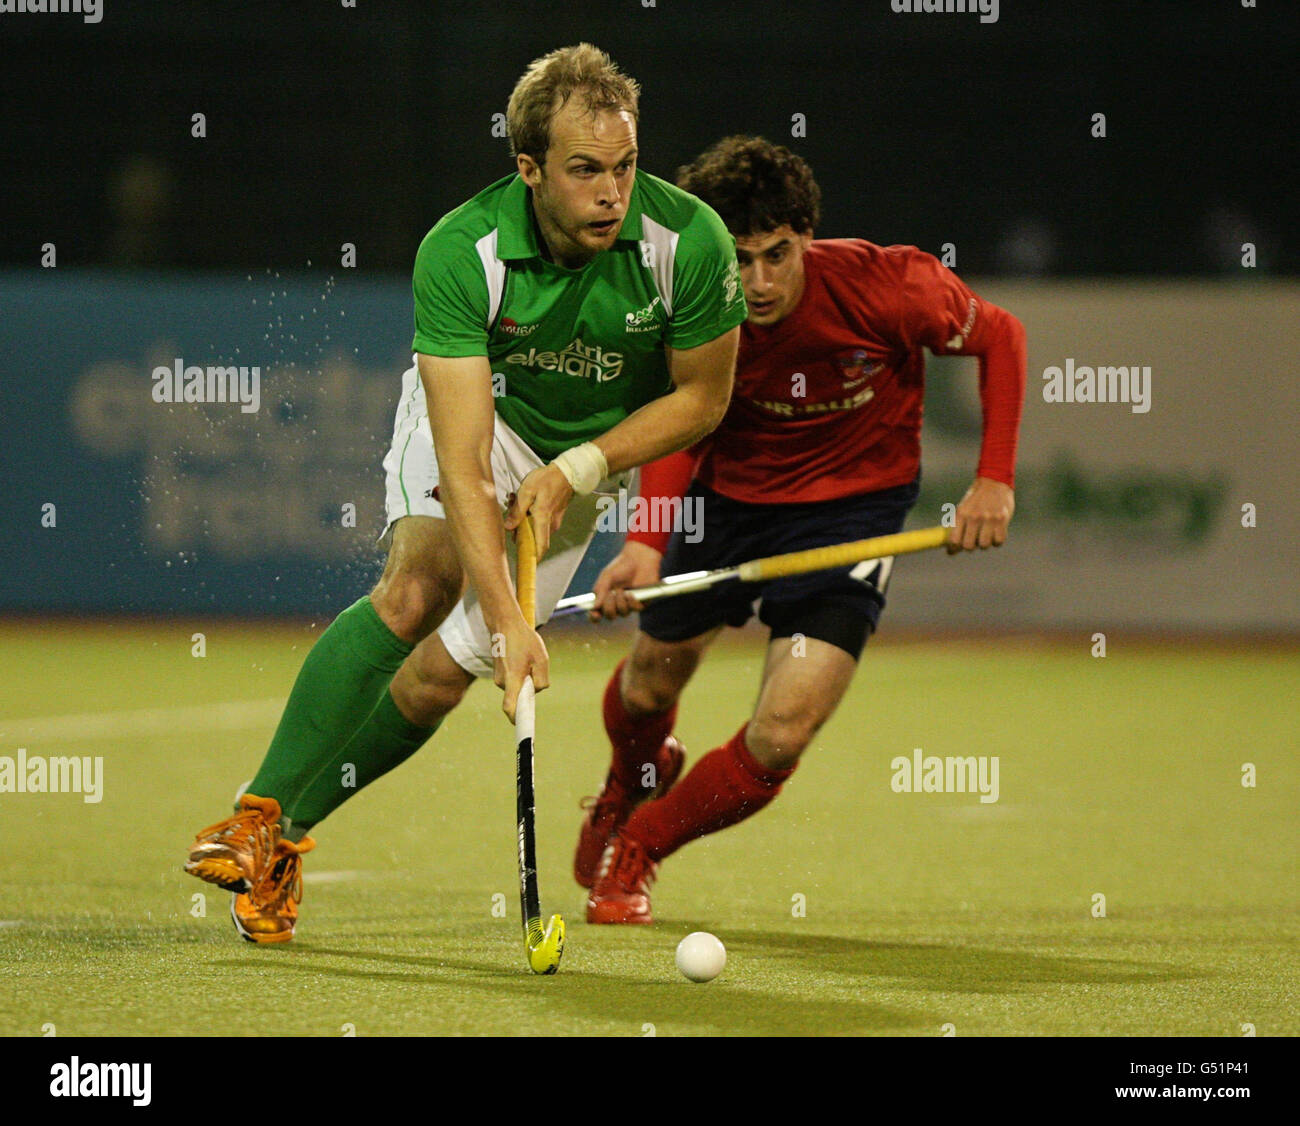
(584, 467)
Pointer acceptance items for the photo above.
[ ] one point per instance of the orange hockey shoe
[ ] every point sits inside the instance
(269, 911)
(235, 853)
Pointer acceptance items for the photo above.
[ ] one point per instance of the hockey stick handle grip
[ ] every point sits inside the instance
(842, 554)
(526, 570)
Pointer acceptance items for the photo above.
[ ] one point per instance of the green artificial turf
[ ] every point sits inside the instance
(1119, 776)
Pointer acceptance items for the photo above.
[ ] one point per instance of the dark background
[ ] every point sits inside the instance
(329, 125)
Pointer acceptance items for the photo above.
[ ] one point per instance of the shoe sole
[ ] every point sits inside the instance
(597, 917)
(223, 873)
(675, 763)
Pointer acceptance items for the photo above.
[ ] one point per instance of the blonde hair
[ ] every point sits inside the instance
(550, 81)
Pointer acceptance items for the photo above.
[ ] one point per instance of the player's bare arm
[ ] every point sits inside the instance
(461, 414)
(702, 378)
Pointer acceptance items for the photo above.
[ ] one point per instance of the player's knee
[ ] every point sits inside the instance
(653, 681)
(413, 603)
(647, 699)
(777, 740)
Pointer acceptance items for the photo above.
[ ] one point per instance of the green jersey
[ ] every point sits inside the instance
(574, 352)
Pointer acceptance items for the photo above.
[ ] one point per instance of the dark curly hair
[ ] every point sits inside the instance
(754, 185)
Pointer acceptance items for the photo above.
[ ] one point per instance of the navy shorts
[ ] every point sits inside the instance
(841, 606)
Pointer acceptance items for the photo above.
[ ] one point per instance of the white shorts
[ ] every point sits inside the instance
(411, 478)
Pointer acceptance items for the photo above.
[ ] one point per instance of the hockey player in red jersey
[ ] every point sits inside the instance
(820, 445)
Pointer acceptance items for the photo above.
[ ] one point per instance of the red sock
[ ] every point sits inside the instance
(724, 787)
(636, 739)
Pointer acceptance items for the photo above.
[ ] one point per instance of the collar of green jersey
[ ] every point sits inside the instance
(515, 238)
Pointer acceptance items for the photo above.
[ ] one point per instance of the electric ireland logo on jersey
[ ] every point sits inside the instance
(582, 361)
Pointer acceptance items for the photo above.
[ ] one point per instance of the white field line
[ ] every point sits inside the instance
(230, 715)
(983, 811)
(332, 877)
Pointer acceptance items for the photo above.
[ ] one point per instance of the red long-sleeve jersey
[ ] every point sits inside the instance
(827, 402)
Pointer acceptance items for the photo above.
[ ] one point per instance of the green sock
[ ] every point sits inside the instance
(347, 669)
(386, 739)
